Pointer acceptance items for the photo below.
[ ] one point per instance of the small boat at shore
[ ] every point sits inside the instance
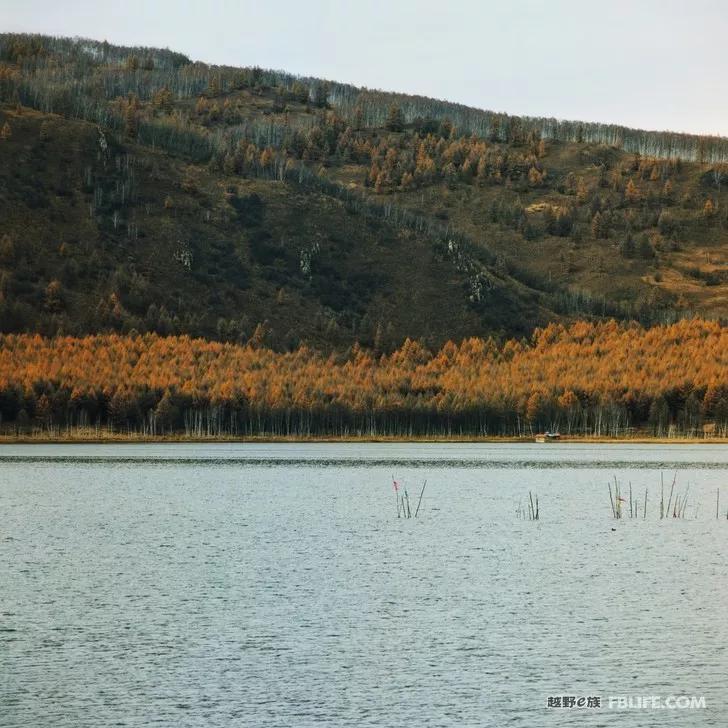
(548, 437)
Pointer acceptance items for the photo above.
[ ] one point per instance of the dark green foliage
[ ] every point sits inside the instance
(249, 209)
(627, 248)
(644, 248)
(395, 119)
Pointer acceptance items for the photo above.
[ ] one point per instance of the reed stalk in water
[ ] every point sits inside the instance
(531, 509)
(618, 492)
(419, 502)
(669, 500)
(685, 502)
(404, 509)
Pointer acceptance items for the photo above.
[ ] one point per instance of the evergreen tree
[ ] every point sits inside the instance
(645, 248)
(321, 96)
(627, 248)
(299, 92)
(395, 119)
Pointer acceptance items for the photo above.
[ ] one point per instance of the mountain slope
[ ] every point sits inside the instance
(125, 238)
(148, 192)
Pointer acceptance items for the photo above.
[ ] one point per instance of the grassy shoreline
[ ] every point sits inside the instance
(99, 438)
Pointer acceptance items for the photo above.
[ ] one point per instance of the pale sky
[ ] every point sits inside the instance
(654, 64)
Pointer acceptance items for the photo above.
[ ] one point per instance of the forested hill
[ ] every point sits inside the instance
(143, 192)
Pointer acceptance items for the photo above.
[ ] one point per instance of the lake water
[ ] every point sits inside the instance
(274, 585)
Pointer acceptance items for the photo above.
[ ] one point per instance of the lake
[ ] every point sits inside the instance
(274, 585)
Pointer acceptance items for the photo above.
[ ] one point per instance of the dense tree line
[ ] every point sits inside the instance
(373, 106)
(78, 76)
(594, 379)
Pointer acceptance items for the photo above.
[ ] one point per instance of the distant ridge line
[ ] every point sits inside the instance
(189, 78)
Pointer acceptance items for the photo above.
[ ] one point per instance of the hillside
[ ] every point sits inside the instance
(126, 238)
(142, 192)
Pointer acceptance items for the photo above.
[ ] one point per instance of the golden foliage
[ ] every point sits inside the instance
(560, 372)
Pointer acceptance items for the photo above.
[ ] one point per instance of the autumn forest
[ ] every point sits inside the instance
(598, 380)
